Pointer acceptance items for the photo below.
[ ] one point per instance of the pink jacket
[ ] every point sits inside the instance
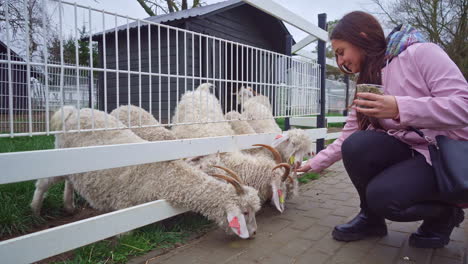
(431, 93)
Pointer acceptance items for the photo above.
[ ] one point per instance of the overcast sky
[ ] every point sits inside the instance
(308, 9)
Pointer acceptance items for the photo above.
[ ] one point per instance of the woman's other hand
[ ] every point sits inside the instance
(380, 106)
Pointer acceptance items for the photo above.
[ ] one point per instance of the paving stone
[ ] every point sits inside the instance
(348, 255)
(317, 212)
(394, 239)
(276, 258)
(404, 227)
(331, 220)
(286, 235)
(307, 205)
(454, 250)
(315, 232)
(342, 196)
(300, 222)
(458, 235)
(381, 254)
(329, 204)
(445, 260)
(328, 245)
(345, 211)
(312, 256)
(296, 247)
(272, 224)
(312, 193)
(414, 255)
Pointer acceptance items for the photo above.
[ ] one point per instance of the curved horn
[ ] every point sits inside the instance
(235, 183)
(231, 173)
(287, 168)
(275, 152)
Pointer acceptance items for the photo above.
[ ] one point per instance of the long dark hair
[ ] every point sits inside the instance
(364, 31)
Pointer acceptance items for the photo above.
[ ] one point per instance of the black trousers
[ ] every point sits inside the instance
(392, 180)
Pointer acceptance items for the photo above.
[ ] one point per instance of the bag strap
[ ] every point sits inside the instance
(421, 134)
(417, 131)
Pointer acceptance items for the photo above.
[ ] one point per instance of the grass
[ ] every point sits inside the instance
(307, 177)
(15, 214)
(26, 143)
(16, 217)
(174, 231)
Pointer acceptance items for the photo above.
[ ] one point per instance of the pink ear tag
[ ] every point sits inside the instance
(278, 136)
(281, 197)
(234, 223)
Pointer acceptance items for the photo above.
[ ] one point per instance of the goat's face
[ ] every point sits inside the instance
(243, 94)
(294, 146)
(241, 216)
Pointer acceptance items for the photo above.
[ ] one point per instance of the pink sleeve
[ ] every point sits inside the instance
(332, 153)
(447, 107)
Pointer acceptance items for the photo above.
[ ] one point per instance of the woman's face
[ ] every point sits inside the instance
(348, 56)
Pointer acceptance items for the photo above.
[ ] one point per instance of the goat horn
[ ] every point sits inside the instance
(275, 152)
(287, 168)
(235, 183)
(231, 173)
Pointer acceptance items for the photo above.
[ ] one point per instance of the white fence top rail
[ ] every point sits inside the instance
(286, 15)
(59, 162)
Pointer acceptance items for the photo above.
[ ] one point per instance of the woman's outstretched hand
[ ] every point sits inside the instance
(380, 106)
(304, 168)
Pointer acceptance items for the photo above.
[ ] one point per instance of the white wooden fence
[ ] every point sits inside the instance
(286, 77)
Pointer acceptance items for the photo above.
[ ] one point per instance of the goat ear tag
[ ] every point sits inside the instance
(278, 136)
(278, 140)
(281, 196)
(238, 225)
(292, 159)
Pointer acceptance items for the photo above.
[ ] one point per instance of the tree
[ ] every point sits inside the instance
(444, 22)
(167, 6)
(69, 49)
(26, 20)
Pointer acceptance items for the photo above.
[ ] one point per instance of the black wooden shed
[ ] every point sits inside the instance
(204, 58)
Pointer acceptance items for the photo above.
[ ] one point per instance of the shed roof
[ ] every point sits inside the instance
(189, 13)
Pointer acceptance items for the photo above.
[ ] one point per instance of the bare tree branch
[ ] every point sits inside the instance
(444, 22)
(146, 7)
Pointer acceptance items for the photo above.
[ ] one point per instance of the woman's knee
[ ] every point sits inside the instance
(358, 144)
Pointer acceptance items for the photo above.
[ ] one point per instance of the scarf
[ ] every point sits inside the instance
(401, 38)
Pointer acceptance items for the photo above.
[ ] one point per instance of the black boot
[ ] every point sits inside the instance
(362, 226)
(435, 233)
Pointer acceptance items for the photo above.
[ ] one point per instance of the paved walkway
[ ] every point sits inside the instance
(302, 234)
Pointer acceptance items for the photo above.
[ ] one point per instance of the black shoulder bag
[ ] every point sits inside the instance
(450, 162)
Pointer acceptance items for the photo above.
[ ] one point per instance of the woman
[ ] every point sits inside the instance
(388, 164)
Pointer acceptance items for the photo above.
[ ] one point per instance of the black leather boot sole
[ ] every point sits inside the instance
(427, 238)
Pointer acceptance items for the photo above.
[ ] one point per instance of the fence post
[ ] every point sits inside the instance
(322, 23)
(89, 92)
(346, 80)
(289, 43)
